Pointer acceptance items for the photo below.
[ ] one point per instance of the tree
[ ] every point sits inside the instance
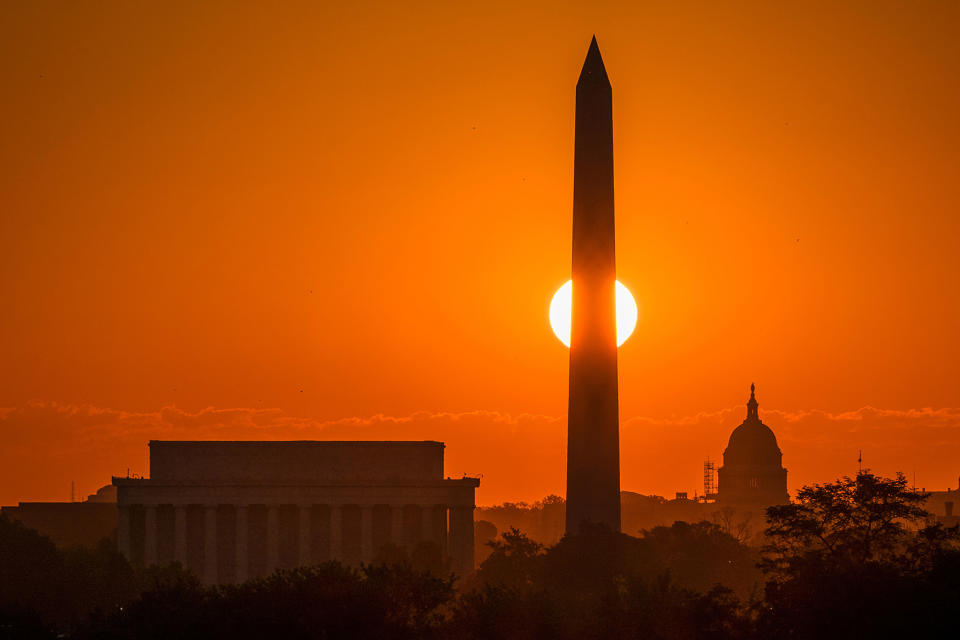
(701, 555)
(20, 624)
(62, 587)
(328, 601)
(856, 558)
(425, 556)
(513, 562)
(737, 525)
(30, 572)
(410, 597)
(605, 584)
(483, 533)
(850, 522)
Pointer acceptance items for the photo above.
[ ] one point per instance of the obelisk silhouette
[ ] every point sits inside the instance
(593, 427)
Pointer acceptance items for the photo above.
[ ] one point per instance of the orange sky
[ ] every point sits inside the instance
(288, 220)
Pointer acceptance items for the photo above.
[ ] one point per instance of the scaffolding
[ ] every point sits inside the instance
(709, 480)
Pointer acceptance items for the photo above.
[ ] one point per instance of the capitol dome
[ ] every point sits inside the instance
(752, 476)
(752, 442)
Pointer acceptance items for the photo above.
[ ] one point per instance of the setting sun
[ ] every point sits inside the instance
(560, 308)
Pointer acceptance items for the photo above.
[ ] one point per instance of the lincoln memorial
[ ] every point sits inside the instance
(230, 511)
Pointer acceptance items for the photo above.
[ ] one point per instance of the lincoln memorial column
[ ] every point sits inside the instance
(242, 557)
(444, 535)
(461, 539)
(396, 524)
(123, 531)
(210, 544)
(180, 534)
(426, 523)
(336, 532)
(150, 535)
(366, 533)
(273, 538)
(305, 559)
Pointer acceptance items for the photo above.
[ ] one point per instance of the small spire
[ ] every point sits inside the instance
(593, 71)
(752, 404)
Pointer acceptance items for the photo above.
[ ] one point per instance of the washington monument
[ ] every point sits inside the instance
(593, 428)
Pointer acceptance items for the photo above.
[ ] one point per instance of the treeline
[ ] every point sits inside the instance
(854, 558)
(543, 520)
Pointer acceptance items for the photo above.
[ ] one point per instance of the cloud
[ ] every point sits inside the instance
(521, 457)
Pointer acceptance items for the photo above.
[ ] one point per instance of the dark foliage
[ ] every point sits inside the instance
(857, 558)
(23, 624)
(597, 584)
(426, 556)
(325, 601)
(854, 558)
(60, 587)
(700, 555)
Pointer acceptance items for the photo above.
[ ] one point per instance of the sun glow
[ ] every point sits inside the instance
(561, 311)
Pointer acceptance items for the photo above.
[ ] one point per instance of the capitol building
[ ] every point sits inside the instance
(752, 476)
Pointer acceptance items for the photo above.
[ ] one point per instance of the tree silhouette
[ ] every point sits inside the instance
(850, 522)
(855, 558)
(512, 563)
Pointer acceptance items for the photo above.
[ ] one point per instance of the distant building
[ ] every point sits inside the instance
(752, 476)
(230, 511)
(71, 524)
(106, 494)
(944, 506)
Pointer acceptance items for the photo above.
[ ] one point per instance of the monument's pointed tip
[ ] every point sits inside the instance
(593, 70)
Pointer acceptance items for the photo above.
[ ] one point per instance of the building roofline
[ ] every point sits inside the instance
(139, 482)
(379, 443)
